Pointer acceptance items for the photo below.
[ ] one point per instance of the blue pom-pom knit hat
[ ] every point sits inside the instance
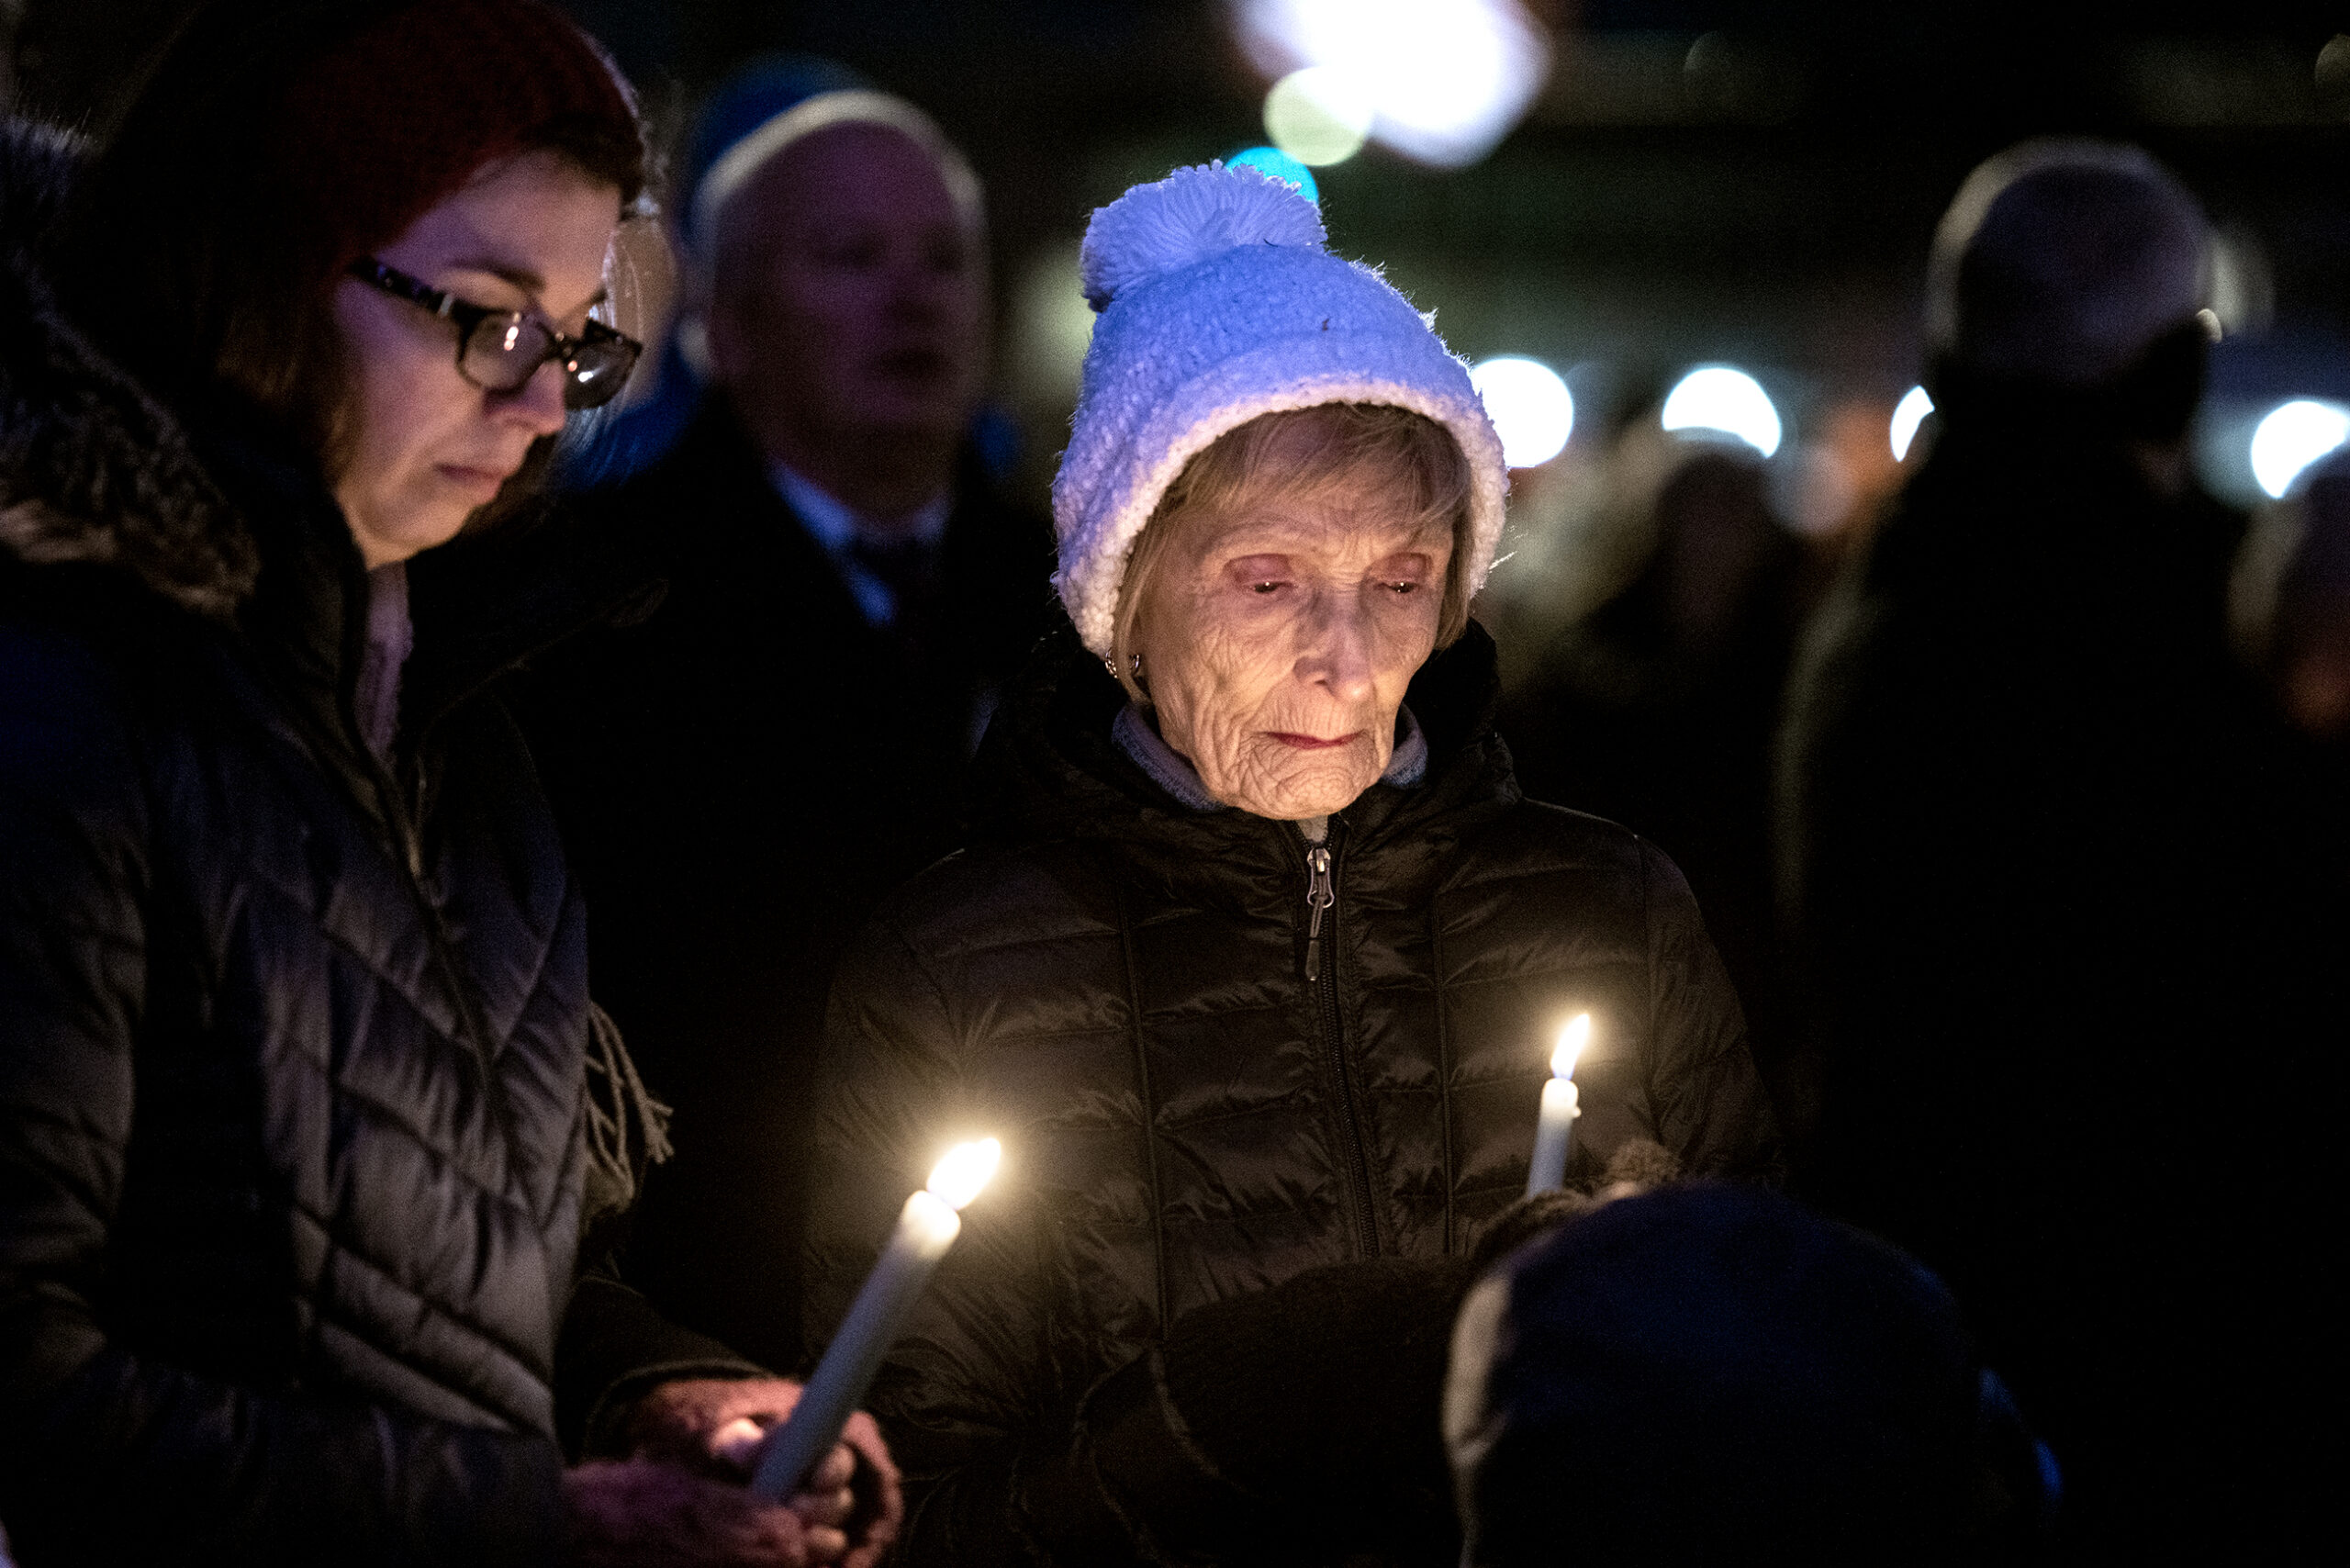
(1218, 302)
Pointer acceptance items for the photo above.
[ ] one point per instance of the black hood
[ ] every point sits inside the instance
(92, 468)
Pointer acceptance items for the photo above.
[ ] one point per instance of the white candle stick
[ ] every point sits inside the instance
(1555, 1131)
(926, 1228)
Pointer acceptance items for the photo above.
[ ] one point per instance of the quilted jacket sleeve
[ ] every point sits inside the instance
(1705, 1101)
(967, 1400)
(107, 1456)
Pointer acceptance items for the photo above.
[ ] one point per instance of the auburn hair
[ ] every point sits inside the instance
(191, 261)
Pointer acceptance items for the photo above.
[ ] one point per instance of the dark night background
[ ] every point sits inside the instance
(1765, 198)
(1753, 183)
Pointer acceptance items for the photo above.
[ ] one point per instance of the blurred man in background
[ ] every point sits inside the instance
(2036, 875)
(744, 771)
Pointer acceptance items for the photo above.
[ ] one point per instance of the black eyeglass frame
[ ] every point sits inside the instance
(468, 318)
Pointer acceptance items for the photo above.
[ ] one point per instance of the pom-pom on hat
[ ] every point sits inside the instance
(1220, 303)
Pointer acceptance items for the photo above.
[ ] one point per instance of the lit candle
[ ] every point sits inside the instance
(1556, 1128)
(926, 1228)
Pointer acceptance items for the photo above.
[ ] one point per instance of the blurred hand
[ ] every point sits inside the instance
(1637, 1166)
(641, 1512)
(699, 1422)
(853, 1504)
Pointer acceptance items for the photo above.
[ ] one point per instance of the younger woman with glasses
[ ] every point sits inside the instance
(307, 1126)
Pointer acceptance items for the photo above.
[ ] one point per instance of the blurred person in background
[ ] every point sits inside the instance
(1708, 1374)
(741, 774)
(2291, 603)
(2039, 878)
(2289, 608)
(308, 1126)
(1258, 956)
(1657, 710)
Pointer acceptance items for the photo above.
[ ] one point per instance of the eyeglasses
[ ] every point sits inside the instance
(499, 351)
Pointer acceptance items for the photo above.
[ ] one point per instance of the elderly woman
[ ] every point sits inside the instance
(1257, 962)
(302, 1136)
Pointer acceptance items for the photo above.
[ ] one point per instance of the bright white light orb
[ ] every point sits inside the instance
(956, 1179)
(1717, 397)
(1321, 115)
(2291, 437)
(1531, 408)
(1446, 79)
(1573, 1039)
(1907, 414)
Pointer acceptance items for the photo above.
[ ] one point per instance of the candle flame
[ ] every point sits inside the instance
(956, 1179)
(1571, 1040)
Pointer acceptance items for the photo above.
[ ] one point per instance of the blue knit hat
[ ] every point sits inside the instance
(1219, 302)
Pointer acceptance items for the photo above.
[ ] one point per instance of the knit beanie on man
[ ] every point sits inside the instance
(1218, 303)
(2063, 261)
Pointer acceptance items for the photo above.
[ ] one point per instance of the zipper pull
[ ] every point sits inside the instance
(1319, 895)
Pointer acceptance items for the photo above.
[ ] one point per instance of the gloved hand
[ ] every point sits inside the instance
(1301, 1424)
(644, 1513)
(1635, 1168)
(714, 1426)
(1298, 1425)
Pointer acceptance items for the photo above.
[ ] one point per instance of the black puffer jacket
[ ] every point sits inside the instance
(293, 1053)
(1115, 986)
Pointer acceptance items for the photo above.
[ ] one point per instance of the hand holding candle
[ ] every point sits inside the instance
(1555, 1131)
(926, 1228)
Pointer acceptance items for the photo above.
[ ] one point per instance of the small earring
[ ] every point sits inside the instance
(1137, 664)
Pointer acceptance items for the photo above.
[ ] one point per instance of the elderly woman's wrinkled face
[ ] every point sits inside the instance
(1277, 637)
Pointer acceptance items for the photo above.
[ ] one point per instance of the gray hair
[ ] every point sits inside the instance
(854, 106)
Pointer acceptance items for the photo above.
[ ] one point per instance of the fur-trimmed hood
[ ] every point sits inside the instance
(93, 468)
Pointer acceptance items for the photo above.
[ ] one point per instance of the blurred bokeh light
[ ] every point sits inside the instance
(2293, 436)
(1907, 414)
(1446, 79)
(1320, 115)
(1280, 165)
(1530, 407)
(1720, 398)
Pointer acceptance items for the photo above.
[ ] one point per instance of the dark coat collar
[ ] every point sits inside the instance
(218, 516)
(92, 468)
(1050, 770)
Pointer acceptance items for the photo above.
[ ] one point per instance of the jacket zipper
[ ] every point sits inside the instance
(406, 827)
(1321, 898)
(407, 831)
(1321, 893)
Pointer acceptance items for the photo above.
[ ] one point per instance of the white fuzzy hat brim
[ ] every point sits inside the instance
(1274, 379)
